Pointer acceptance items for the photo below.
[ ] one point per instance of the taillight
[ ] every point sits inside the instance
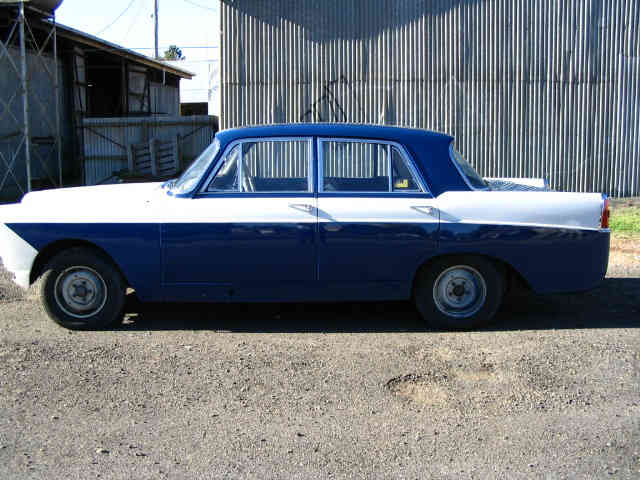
(606, 213)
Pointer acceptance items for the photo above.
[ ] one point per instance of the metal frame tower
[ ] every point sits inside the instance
(31, 32)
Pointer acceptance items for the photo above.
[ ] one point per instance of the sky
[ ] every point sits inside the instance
(130, 23)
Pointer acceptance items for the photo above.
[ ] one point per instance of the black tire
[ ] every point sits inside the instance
(100, 301)
(437, 303)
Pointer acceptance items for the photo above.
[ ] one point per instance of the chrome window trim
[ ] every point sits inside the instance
(390, 143)
(229, 148)
(462, 174)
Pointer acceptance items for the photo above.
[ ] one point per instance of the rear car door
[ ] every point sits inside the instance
(250, 233)
(377, 219)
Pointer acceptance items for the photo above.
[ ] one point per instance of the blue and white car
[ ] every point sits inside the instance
(308, 213)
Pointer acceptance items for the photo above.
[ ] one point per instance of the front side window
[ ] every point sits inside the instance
(357, 166)
(271, 166)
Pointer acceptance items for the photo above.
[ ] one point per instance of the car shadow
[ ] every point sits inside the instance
(615, 304)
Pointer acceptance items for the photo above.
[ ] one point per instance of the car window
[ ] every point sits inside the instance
(402, 180)
(226, 180)
(357, 166)
(190, 178)
(467, 171)
(265, 167)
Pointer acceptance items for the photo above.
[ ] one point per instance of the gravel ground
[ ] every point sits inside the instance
(551, 390)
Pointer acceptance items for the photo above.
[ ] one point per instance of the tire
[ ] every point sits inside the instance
(82, 290)
(459, 293)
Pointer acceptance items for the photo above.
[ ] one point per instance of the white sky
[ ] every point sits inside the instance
(185, 23)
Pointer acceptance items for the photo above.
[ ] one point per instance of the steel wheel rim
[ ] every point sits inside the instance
(460, 291)
(80, 292)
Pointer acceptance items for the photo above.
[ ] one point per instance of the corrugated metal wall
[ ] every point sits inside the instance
(280, 159)
(541, 88)
(165, 99)
(106, 140)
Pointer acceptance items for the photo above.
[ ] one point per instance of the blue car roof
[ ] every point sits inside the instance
(429, 149)
(348, 130)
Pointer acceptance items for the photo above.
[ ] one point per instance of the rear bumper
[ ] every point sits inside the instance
(16, 255)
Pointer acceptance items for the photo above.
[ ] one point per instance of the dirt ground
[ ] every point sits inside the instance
(550, 390)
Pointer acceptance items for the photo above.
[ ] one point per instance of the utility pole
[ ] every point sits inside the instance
(155, 16)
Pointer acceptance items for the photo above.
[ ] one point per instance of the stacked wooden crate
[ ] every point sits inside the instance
(156, 159)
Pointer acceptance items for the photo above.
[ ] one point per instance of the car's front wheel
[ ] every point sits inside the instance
(82, 290)
(459, 292)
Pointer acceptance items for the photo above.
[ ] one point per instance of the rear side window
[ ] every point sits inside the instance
(272, 166)
(362, 166)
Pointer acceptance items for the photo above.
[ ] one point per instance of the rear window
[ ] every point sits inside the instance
(472, 177)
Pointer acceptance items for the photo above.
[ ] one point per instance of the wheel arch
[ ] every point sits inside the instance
(50, 251)
(513, 278)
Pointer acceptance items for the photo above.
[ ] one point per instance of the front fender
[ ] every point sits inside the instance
(17, 255)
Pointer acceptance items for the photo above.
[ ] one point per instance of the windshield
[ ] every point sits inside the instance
(192, 175)
(467, 171)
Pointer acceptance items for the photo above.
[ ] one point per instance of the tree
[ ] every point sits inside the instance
(174, 53)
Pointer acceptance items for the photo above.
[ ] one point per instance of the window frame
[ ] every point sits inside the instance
(422, 186)
(239, 142)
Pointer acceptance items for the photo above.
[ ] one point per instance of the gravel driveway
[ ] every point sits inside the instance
(551, 390)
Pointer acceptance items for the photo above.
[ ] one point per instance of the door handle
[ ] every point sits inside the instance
(428, 209)
(303, 207)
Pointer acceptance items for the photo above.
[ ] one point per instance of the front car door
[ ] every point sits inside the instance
(377, 220)
(250, 233)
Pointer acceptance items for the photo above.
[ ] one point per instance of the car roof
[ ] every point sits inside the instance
(346, 130)
(430, 150)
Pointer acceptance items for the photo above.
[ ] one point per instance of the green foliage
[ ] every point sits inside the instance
(625, 220)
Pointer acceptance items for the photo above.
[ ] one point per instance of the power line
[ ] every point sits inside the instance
(135, 21)
(117, 18)
(208, 60)
(198, 5)
(181, 47)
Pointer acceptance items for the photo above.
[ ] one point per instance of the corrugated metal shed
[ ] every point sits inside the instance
(107, 140)
(528, 88)
(51, 78)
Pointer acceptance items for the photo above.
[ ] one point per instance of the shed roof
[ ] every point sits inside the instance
(100, 44)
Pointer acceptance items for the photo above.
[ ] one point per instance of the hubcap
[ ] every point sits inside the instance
(80, 292)
(460, 291)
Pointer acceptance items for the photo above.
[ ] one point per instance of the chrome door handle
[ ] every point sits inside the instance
(428, 209)
(303, 207)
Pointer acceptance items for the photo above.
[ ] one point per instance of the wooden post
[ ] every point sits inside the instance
(176, 153)
(131, 158)
(155, 17)
(154, 160)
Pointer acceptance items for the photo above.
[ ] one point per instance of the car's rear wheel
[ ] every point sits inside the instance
(82, 290)
(459, 292)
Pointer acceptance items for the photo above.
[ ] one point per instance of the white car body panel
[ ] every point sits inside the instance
(17, 256)
(536, 209)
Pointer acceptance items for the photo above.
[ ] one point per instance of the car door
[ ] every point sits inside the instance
(250, 233)
(377, 219)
